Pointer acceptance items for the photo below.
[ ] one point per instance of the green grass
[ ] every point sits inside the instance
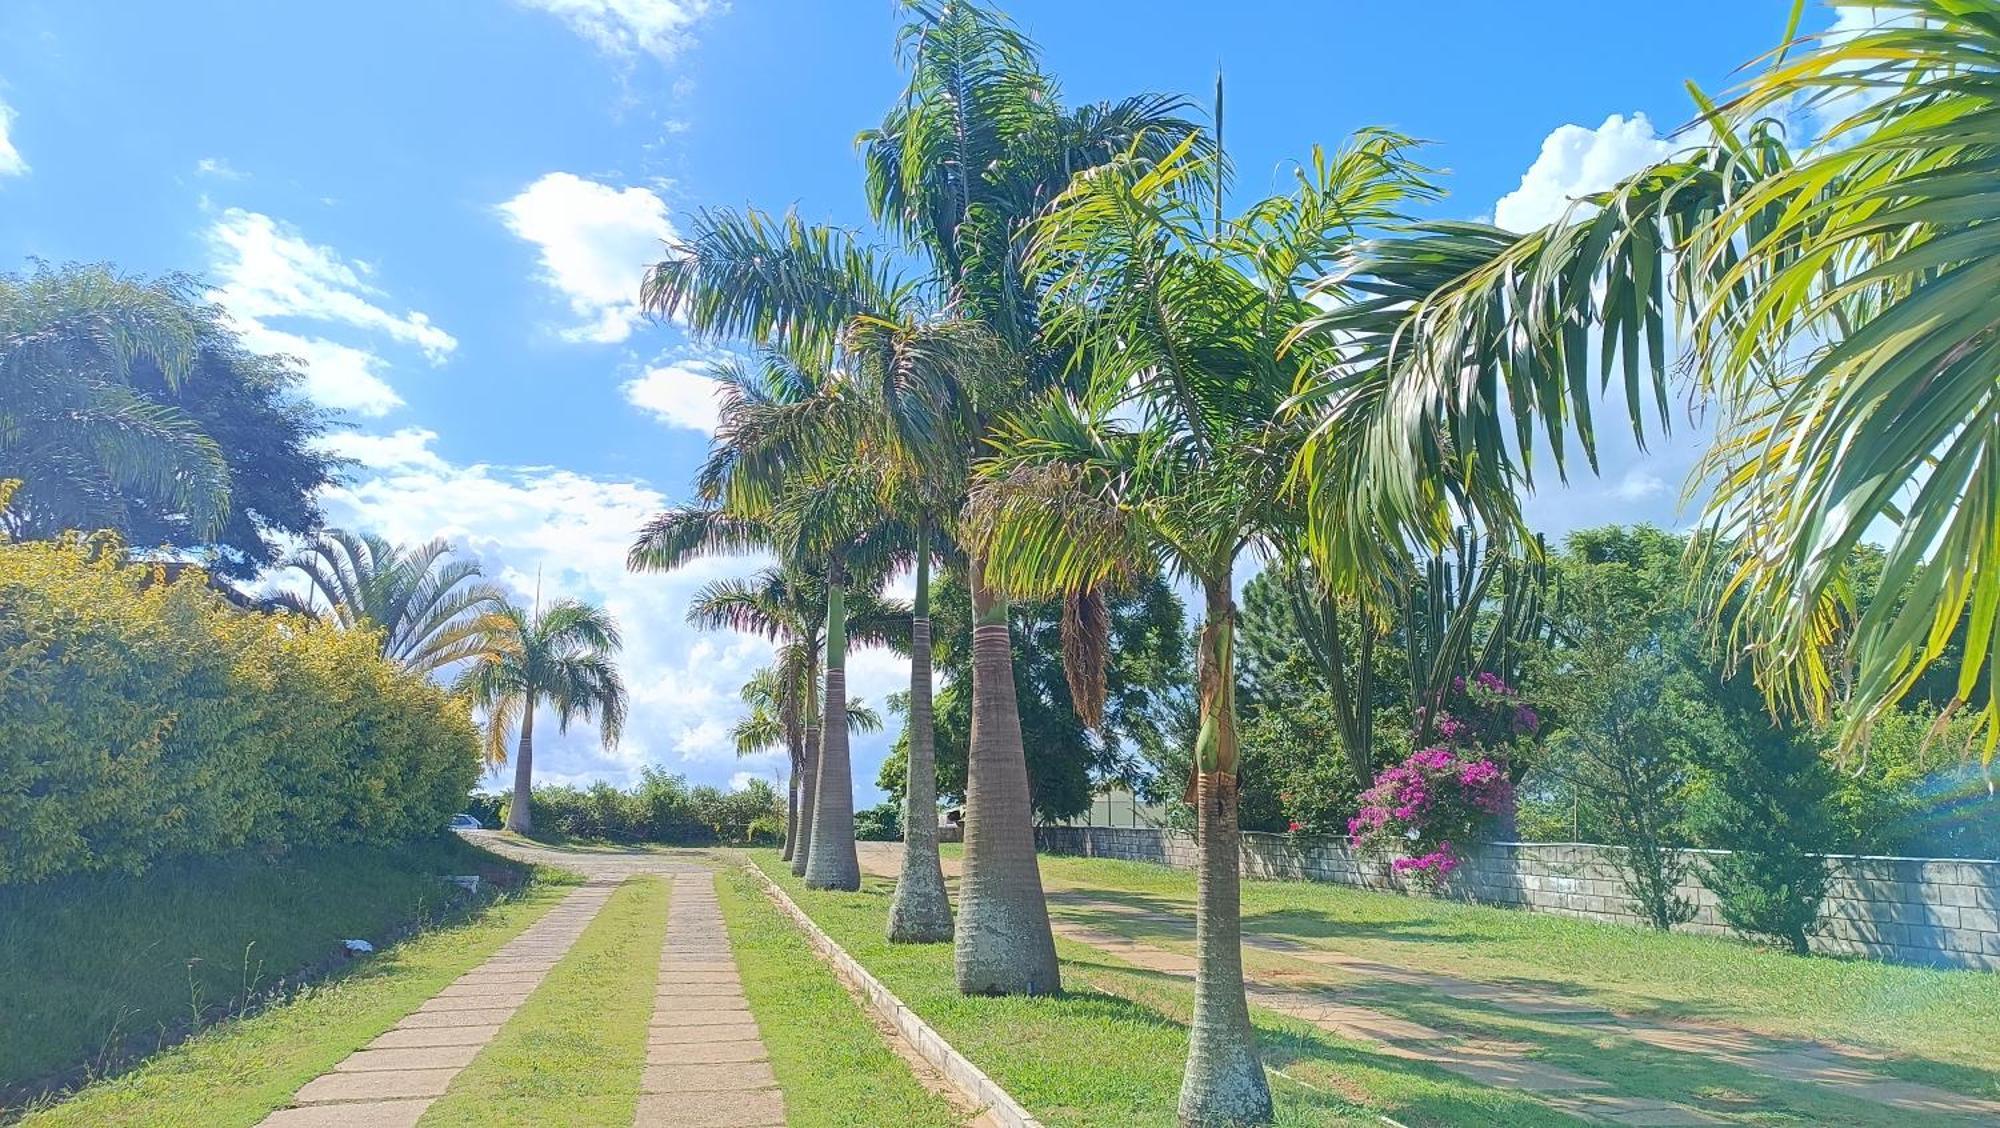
(235, 1073)
(573, 1053)
(1937, 1025)
(830, 1060)
(1934, 1026)
(1107, 1051)
(97, 971)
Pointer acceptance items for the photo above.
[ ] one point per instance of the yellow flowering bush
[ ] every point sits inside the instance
(142, 718)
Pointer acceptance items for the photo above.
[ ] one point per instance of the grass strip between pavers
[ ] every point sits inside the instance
(573, 1054)
(234, 1074)
(1090, 1056)
(829, 1057)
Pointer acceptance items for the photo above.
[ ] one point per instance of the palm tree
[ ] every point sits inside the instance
(1838, 307)
(785, 606)
(976, 148)
(74, 429)
(1177, 454)
(427, 607)
(920, 912)
(563, 655)
(777, 699)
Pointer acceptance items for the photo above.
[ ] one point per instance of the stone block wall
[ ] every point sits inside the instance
(1932, 911)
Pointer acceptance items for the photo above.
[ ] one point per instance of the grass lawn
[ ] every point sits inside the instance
(235, 1073)
(1110, 1049)
(573, 1053)
(1937, 1026)
(96, 971)
(830, 1060)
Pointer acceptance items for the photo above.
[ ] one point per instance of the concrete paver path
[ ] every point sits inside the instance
(392, 1080)
(705, 1062)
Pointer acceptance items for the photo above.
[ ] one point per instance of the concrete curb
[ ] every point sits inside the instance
(964, 1076)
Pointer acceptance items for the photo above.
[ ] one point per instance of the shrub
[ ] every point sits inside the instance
(146, 719)
(881, 823)
(661, 808)
(1424, 809)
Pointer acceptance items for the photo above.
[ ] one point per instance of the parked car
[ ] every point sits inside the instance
(464, 822)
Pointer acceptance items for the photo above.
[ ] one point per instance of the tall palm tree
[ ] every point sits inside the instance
(1177, 455)
(920, 912)
(787, 607)
(428, 608)
(562, 655)
(975, 149)
(777, 701)
(1838, 305)
(74, 428)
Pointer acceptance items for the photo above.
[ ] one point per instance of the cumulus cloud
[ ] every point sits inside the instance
(594, 243)
(268, 271)
(624, 28)
(11, 161)
(675, 394)
(1576, 161)
(565, 534)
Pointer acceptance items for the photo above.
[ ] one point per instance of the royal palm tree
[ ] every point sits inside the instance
(777, 699)
(74, 429)
(427, 607)
(1177, 454)
(974, 150)
(787, 607)
(563, 655)
(1838, 308)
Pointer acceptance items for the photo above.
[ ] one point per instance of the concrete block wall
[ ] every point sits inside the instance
(1931, 911)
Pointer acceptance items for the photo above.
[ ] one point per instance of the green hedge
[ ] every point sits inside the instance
(143, 719)
(664, 809)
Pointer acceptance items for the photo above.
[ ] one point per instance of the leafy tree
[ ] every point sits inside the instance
(881, 823)
(1838, 313)
(563, 655)
(140, 411)
(1146, 677)
(427, 607)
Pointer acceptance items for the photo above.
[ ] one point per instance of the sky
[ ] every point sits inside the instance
(442, 209)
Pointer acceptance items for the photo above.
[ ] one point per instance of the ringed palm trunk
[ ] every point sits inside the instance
(1004, 944)
(520, 818)
(808, 793)
(920, 912)
(1224, 1083)
(833, 863)
(796, 756)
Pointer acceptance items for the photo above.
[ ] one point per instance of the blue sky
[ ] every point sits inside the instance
(442, 207)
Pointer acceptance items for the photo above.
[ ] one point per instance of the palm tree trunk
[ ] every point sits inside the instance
(808, 794)
(1004, 943)
(834, 864)
(920, 912)
(520, 818)
(1224, 1082)
(794, 756)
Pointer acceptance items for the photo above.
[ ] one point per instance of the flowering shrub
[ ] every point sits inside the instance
(1446, 792)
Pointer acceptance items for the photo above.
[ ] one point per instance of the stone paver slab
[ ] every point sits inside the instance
(361, 1114)
(707, 1078)
(413, 1057)
(763, 1108)
(435, 1036)
(745, 1031)
(339, 1086)
(703, 1053)
(711, 1016)
(699, 990)
(478, 1016)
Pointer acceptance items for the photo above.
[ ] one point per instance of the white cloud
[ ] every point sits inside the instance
(1638, 484)
(218, 168)
(1575, 161)
(595, 242)
(676, 395)
(268, 270)
(11, 161)
(661, 28)
(567, 533)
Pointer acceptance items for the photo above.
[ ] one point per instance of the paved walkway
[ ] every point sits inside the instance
(392, 1080)
(1325, 1001)
(705, 1063)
